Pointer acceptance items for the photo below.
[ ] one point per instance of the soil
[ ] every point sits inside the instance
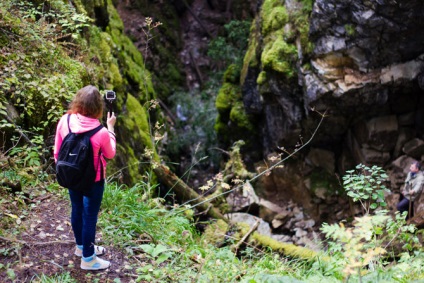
(46, 246)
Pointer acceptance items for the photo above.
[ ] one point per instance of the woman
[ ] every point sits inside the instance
(85, 111)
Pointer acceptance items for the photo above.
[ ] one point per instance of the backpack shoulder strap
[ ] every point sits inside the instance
(91, 133)
(69, 118)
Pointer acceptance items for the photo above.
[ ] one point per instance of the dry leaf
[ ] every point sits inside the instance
(12, 215)
(42, 235)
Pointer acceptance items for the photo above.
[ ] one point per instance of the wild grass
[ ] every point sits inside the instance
(62, 278)
(178, 252)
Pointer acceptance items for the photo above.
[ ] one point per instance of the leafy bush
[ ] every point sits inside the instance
(366, 185)
(229, 48)
(39, 76)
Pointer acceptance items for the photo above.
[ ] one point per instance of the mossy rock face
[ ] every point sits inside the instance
(136, 130)
(279, 56)
(164, 43)
(272, 39)
(232, 114)
(232, 74)
(240, 118)
(227, 96)
(278, 45)
(274, 17)
(122, 68)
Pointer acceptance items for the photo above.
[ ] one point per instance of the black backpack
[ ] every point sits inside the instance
(75, 165)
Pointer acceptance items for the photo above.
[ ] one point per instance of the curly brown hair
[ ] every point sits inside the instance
(88, 102)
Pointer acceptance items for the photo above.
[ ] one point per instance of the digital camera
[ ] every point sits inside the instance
(110, 95)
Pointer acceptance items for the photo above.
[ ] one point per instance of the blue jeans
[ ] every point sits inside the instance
(85, 210)
(403, 205)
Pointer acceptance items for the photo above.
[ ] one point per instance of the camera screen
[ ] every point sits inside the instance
(110, 94)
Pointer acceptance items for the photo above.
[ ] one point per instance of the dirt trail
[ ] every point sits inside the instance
(46, 247)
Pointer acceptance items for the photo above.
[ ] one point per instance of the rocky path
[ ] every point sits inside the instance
(45, 246)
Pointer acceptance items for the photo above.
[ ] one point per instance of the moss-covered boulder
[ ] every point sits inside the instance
(233, 122)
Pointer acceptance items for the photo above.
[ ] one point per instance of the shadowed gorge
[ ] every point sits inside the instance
(257, 141)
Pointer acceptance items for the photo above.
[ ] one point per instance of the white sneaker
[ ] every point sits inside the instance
(94, 263)
(98, 250)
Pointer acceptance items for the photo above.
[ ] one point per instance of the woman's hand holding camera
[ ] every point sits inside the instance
(111, 120)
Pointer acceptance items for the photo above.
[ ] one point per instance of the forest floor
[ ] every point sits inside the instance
(44, 246)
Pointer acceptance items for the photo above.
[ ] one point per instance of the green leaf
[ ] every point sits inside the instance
(159, 249)
(147, 248)
(11, 273)
(163, 257)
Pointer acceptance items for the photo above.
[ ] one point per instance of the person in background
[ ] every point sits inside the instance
(413, 187)
(85, 111)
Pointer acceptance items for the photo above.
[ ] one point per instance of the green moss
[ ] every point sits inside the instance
(232, 74)
(261, 78)
(232, 121)
(278, 55)
(241, 230)
(284, 248)
(215, 232)
(134, 127)
(220, 127)
(231, 108)
(235, 163)
(250, 58)
(132, 164)
(239, 117)
(350, 30)
(227, 95)
(280, 30)
(115, 22)
(115, 75)
(307, 5)
(307, 66)
(274, 17)
(136, 120)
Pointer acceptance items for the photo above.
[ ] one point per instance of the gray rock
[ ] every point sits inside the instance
(414, 148)
(321, 158)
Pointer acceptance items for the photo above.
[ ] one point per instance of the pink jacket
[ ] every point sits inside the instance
(103, 140)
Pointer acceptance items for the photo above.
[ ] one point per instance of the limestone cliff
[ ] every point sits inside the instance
(360, 62)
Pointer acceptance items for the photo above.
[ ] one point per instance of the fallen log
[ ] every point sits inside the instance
(287, 249)
(216, 234)
(182, 190)
(243, 239)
